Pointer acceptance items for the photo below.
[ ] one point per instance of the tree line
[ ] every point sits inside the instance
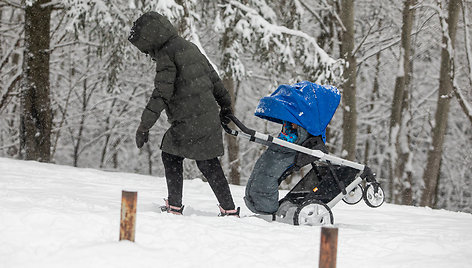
(72, 88)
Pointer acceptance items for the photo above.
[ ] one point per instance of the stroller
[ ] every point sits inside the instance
(330, 179)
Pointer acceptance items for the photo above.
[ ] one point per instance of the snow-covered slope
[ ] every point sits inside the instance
(59, 216)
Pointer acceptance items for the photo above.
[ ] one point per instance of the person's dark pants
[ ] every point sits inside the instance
(212, 171)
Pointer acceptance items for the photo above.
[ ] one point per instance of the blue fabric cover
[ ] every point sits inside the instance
(305, 103)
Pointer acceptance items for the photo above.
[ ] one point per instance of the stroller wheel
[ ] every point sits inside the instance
(374, 195)
(313, 212)
(285, 209)
(354, 196)
(285, 212)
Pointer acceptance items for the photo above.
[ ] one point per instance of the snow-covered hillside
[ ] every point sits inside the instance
(59, 216)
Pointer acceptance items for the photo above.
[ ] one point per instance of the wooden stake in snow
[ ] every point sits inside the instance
(128, 215)
(328, 247)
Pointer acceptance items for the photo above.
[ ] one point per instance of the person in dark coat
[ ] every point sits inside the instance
(188, 88)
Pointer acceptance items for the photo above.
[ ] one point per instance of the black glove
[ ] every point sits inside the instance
(224, 112)
(141, 138)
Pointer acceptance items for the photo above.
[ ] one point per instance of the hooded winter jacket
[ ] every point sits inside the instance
(186, 86)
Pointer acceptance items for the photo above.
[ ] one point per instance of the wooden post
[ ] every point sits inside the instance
(328, 247)
(128, 215)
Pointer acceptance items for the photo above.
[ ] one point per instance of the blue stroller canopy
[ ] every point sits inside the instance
(306, 104)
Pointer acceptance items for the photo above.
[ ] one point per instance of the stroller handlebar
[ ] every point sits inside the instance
(242, 126)
(239, 124)
(252, 135)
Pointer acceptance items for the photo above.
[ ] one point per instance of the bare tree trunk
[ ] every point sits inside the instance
(326, 40)
(184, 24)
(105, 148)
(229, 83)
(1, 39)
(86, 95)
(115, 153)
(433, 164)
(82, 124)
(36, 116)
(233, 145)
(373, 96)
(399, 158)
(407, 185)
(108, 136)
(149, 158)
(349, 87)
(399, 92)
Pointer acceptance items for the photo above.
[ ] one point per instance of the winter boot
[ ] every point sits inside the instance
(232, 212)
(172, 209)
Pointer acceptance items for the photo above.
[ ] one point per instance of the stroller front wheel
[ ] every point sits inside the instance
(354, 196)
(374, 196)
(313, 212)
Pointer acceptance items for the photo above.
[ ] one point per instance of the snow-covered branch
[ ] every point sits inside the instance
(273, 38)
(258, 22)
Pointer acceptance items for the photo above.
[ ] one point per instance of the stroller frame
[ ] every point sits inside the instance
(306, 207)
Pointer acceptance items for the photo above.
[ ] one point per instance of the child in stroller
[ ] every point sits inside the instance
(304, 109)
(272, 167)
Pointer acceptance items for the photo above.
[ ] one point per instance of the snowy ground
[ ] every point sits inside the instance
(59, 216)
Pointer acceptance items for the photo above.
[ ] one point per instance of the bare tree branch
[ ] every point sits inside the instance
(468, 53)
(315, 15)
(465, 105)
(11, 85)
(12, 3)
(4, 60)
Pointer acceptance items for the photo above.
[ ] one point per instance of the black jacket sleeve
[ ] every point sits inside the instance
(220, 93)
(163, 91)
